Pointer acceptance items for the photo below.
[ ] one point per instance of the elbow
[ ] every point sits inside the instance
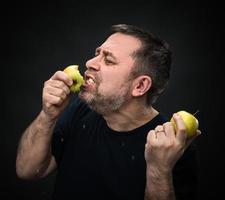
(21, 173)
(24, 172)
(27, 172)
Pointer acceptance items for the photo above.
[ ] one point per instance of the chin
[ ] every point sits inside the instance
(86, 96)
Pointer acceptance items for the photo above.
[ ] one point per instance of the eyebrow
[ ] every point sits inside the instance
(105, 52)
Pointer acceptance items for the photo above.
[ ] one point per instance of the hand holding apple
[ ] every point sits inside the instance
(190, 122)
(73, 72)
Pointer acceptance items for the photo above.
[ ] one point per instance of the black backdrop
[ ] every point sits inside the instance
(40, 38)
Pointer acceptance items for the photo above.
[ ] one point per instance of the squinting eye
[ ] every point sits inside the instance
(108, 61)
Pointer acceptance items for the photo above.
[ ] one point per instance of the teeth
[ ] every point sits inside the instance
(90, 81)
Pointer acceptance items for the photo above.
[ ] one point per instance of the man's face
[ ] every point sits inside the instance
(107, 78)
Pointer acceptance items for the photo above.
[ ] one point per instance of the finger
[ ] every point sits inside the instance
(153, 141)
(151, 136)
(52, 99)
(159, 128)
(169, 130)
(51, 87)
(62, 76)
(160, 135)
(57, 92)
(181, 133)
(60, 85)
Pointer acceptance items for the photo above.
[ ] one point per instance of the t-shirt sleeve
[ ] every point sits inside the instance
(185, 175)
(63, 127)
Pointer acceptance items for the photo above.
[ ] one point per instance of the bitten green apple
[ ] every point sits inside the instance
(190, 122)
(78, 80)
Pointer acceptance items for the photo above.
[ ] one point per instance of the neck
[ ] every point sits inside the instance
(130, 117)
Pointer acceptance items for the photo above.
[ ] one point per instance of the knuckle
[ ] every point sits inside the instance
(155, 144)
(59, 100)
(63, 95)
(150, 135)
(48, 105)
(182, 129)
(46, 83)
(158, 127)
(61, 84)
(169, 144)
(58, 72)
(167, 124)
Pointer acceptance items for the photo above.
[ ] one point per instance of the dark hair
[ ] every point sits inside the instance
(152, 59)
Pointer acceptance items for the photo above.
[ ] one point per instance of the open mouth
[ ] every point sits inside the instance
(89, 80)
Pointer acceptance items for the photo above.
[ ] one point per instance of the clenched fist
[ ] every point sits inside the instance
(55, 95)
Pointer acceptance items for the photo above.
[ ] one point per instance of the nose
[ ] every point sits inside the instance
(93, 64)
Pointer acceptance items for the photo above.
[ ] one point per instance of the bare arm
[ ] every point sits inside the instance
(163, 148)
(159, 186)
(34, 151)
(34, 156)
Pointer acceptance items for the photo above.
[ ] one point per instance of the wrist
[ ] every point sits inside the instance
(159, 184)
(47, 118)
(45, 123)
(158, 174)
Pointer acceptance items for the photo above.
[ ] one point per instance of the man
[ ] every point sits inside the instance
(111, 143)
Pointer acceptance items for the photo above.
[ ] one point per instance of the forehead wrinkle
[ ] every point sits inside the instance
(106, 52)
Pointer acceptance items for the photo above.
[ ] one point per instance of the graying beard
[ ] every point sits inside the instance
(104, 105)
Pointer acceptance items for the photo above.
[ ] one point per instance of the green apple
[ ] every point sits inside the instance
(190, 122)
(78, 80)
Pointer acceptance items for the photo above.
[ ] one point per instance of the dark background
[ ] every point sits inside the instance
(40, 38)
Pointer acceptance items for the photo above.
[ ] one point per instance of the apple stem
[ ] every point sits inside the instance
(196, 112)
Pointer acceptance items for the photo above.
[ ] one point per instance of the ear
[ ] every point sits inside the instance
(141, 85)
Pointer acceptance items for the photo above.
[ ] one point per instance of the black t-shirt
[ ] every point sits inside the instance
(95, 162)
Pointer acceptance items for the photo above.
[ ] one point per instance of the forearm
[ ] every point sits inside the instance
(159, 186)
(34, 150)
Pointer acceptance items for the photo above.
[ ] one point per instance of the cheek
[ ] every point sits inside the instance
(114, 86)
(112, 81)
(109, 85)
